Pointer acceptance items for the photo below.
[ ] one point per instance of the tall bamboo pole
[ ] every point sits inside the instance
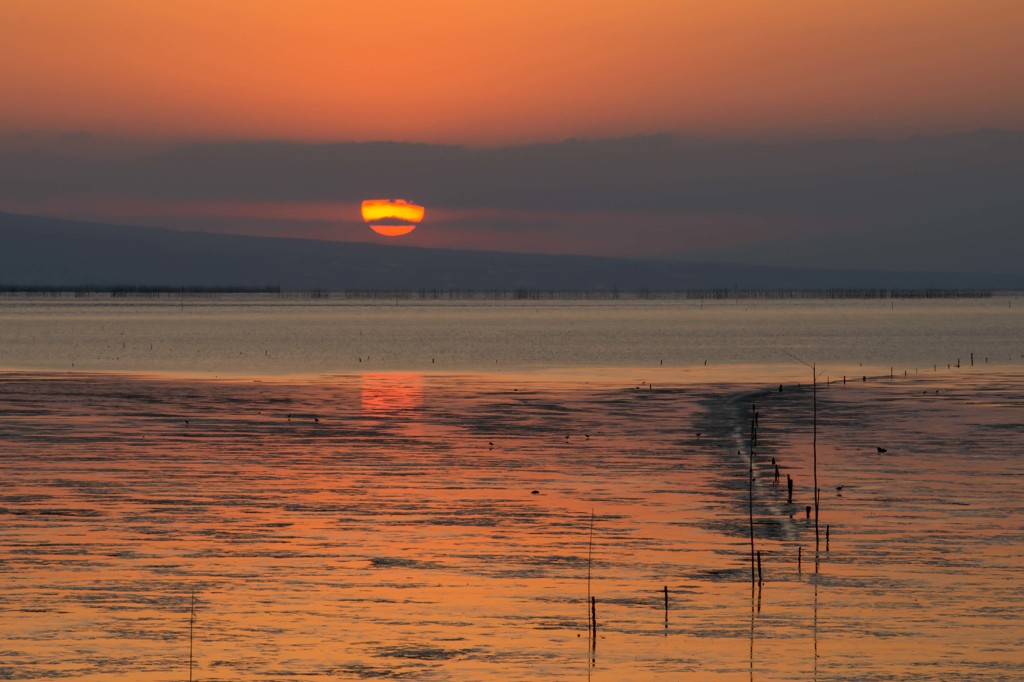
(814, 453)
(191, 624)
(750, 498)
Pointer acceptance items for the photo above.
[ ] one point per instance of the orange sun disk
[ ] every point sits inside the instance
(392, 217)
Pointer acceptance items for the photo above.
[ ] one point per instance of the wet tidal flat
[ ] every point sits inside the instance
(442, 527)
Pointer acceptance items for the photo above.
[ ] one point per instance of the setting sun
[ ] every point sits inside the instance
(392, 217)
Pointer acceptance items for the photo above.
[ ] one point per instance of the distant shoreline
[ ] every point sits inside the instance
(143, 291)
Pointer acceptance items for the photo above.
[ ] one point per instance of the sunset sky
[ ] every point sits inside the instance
(122, 79)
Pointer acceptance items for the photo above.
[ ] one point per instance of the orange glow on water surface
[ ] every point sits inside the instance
(385, 394)
(449, 521)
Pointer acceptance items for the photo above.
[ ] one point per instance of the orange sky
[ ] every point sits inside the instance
(484, 72)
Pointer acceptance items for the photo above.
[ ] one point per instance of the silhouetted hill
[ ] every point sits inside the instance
(40, 251)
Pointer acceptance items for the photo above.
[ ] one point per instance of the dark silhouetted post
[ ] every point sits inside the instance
(789, 484)
(666, 606)
(760, 581)
(593, 621)
(799, 559)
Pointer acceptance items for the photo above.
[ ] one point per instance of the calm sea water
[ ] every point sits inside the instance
(266, 335)
(352, 497)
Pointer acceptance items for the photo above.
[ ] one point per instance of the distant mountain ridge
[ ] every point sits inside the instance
(50, 252)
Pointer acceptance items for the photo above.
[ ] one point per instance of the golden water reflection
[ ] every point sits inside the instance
(327, 539)
(384, 395)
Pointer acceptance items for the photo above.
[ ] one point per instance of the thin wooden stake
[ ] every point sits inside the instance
(814, 450)
(191, 625)
(750, 494)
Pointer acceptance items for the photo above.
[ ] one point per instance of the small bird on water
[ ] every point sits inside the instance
(880, 450)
